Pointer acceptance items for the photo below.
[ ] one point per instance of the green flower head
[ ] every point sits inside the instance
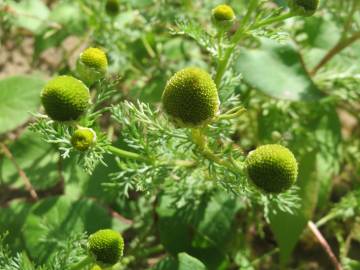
(65, 98)
(112, 7)
(272, 168)
(92, 65)
(223, 13)
(190, 98)
(83, 139)
(303, 7)
(106, 247)
(223, 17)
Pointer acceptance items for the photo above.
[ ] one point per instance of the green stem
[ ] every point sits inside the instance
(152, 250)
(200, 140)
(134, 156)
(326, 219)
(82, 264)
(268, 254)
(228, 116)
(148, 47)
(279, 18)
(224, 58)
(252, 6)
(127, 154)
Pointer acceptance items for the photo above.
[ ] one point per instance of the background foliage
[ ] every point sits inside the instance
(200, 216)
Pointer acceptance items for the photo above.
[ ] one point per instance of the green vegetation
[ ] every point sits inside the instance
(179, 135)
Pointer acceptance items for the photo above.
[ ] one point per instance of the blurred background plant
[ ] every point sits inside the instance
(298, 80)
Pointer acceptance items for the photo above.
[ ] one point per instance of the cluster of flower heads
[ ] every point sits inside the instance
(66, 98)
(190, 99)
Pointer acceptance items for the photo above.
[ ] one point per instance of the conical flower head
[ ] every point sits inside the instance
(190, 98)
(65, 98)
(272, 168)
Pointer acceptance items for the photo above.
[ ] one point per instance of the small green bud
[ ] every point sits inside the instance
(190, 98)
(223, 13)
(83, 139)
(106, 247)
(272, 168)
(65, 98)
(92, 65)
(96, 267)
(112, 7)
(223, 16)
(303, 7)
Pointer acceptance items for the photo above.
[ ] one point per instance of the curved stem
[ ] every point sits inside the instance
(268, 254)
(82, 264)
(127, 154)
(34, 196)
(341, 45)
(230, 115)
(326, 218)
(200, 140)
(325, 245)
(279, 18)
(350, 18)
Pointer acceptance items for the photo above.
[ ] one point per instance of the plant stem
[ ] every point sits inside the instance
(231, 115)
(341, 45)
(252, 6)
(350, 18)
(127, 154)
(325, 245)
(152, 250)
(224, 58)
(131, 155)
(34, 196)
(148, 47)
(279, 18)
(82, 264)
(326, 218)
(200, 140)
(222, 65)
(268, 254)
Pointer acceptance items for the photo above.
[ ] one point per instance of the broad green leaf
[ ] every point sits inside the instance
(321, 32)
(316, 167)
(12, 219)
(52, 220)
(36, 158)
(286, 227)
(80, 183)
(19, 95)
(183, 261)
(277, 70)
(203, 231)
(30, 14)
(328, 135)
(316, 171)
